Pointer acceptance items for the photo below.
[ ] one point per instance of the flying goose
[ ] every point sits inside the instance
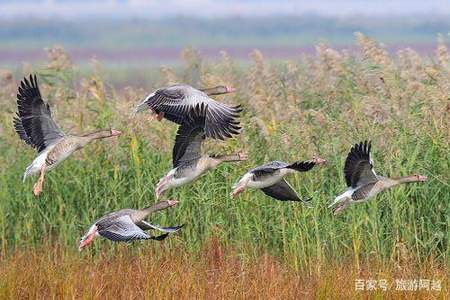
(35, 125)
(176, 102)
(128, 225)
(270, 179)
(188, 161)
(362, 181)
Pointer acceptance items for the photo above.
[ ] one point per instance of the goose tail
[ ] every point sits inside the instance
(143, 105)
(140, 107)
(27, 172)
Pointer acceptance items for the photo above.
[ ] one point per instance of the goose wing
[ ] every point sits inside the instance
(268, 168)
(178, 101)
(221, 120)
(358, 168)
(147, 226)
(34, 123)
(281, 191)
(302, 166)
(190, 136)
(363, 192)
(123, 230)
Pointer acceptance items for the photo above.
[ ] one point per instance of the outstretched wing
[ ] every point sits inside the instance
(302, 166)
(123, 230)
(34, 123)
(358, 168)
(221, 119)
(170, 101)
(281, 191)
(268, 168)
(363, 192)
(147, 226)
(177, 103)
(190, 135)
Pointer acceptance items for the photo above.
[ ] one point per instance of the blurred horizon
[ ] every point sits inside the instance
(219, 8)
(137, 32)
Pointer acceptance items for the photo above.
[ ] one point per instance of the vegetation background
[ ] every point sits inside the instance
(319, 102)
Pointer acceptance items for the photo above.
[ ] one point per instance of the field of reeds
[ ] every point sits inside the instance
(252, 247)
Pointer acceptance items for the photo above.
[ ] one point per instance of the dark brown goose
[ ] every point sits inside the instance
(270, 179)
(176, 102)
(34, 125)
(188, 162)
(362, 181)
(128, 225)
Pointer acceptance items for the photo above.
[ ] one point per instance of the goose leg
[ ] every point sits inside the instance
(242, 156)
(160, 116)
(340, 208)
(239, 189)
(37, 188)
(162, 183)
(87, 239)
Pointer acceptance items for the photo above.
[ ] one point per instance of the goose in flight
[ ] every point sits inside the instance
(188, 161)
(362, 181)
(176, 102)
(270, 179)
(34, 125)
(128, 225)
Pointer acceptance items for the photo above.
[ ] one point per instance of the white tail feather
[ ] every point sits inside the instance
(142, 106)
(342, 197)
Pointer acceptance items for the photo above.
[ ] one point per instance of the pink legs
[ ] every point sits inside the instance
(242, 156)
(37, 188)
(318, 160)
(159, 116)
(237, 191)
(162, 183)
(88, 238)
(341, 207)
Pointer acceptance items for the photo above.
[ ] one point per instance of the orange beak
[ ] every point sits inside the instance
(115, 132)
(172, 202)
(230, 89)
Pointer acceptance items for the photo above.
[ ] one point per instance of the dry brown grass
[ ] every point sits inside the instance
(213, 273)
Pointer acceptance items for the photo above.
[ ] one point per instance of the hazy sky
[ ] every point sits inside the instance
(222, 8)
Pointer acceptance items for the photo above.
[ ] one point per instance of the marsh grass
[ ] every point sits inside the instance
(318, 105)
(158, 272)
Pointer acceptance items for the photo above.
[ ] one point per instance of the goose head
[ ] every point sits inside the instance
(114, 132)
(219, 90)
(101, 134)
(418, 178)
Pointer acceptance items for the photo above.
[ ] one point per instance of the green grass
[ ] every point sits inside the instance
(293, 110)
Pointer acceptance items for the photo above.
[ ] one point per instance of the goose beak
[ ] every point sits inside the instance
(229, 89)
(115, 132)
(319, 161)
(172, 202)
(242, 156)
(422, 178)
